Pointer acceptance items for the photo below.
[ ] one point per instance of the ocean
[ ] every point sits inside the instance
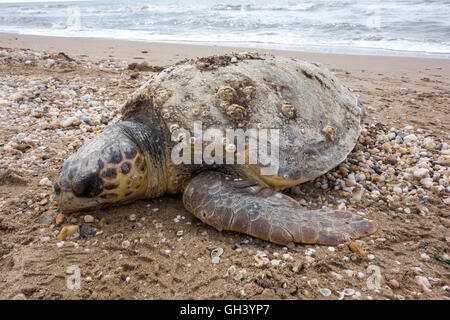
(383, 27)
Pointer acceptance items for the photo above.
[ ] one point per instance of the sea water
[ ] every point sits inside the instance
(383, 27)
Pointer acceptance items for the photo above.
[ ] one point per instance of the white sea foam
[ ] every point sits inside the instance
(399, 27)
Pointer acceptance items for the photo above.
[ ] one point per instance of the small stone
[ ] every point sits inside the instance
(215, 260)
(411, 138)
(179, 233)
(132, 217)
(126, 244)
(420, 173)
(275, 262)
(397, 190)
(234, 60)
(427, 182)
(45, 182)
(349, 273)
(19, 296)
(50, 63)
(392, 160)
(394, 284)
(89, 219)
(424, 257)
(60, 218)
(70, 122)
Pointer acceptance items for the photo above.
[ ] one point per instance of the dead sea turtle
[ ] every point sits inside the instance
(318, 123)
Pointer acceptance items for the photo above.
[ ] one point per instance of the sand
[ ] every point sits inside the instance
(148, 257)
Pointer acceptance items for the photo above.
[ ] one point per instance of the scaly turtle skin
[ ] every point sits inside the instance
(318, 121)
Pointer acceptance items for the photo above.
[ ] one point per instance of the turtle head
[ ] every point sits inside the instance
(110, 168)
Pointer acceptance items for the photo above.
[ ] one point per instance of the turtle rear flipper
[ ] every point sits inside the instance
(239, 205)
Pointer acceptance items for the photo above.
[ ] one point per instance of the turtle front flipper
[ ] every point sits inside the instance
(238, 205)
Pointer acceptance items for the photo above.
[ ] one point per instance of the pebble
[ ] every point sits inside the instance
(424, 257)
(132, 217)
(125, 244)
(234, 60)
(420, 173)
(427, 182)
(393, 284)
(89, 219)
(45, 182)
(275, 262)
(349, 273)
(19, 296)
(69, 122)
(50, 63)
(411, 138)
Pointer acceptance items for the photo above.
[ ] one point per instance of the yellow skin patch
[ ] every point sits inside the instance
(124, 181)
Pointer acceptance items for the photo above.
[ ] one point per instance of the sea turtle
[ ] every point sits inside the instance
(318, 122)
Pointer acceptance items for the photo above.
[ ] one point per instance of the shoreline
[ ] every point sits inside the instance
(163, 53)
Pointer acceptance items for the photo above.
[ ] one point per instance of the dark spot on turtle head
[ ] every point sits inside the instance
(57, 189)
(128, 194)
(115, 156)
(142, 167)
(125, 167)
(101, 164)
(109, 173)
(138, 160)
(130, 152)
(111, 186)
(108, 196)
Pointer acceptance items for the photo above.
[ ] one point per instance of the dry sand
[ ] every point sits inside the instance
(149, 257)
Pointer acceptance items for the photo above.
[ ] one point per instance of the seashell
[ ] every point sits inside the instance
(325, 292)
(216, 252)
(67, 231)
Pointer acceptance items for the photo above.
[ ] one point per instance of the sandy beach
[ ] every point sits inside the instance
(56, 92)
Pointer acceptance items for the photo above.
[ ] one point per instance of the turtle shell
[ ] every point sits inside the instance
(317, 117)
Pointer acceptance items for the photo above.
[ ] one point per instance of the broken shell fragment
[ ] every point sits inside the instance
(67, 231)
(216, 252)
